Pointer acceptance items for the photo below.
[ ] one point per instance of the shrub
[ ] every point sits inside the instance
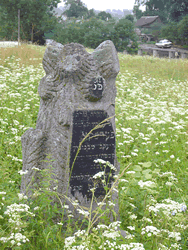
(170, 32)
(183, 30)
(123, 34)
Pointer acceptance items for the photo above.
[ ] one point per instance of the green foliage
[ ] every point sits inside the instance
(138, 13)
(77, 9)
(91, 13)
(104, 15)
(170, 32)
(168, 10)
(130, 18)
(157, 8)
(96, 34)
(35, 18)
(183, 30)
(178, 9)
(176, 32)
(123, 34)
(156, 30)
(93, 31)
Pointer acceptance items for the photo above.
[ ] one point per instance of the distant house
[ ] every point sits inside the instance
(147, 21)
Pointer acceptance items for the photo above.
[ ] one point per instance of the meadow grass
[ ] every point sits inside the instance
(152, 129)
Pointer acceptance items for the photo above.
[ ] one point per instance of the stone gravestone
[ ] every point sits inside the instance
(77, 97)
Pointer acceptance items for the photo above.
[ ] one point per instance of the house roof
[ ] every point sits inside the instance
(145, 20)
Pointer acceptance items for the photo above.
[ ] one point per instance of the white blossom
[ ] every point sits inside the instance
(99, 175)
(22, 172)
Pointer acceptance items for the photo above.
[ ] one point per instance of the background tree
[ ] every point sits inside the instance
(137, 12)
(75, 8)
(125, 35)
(104, 15)
(183, 30)
(155, 30)
(36, 17)
(130, 18)
(178, 9)
(158, 8)
(91, 13)
(94, 31)
(170, 32)
(7, 27)
(167, 10)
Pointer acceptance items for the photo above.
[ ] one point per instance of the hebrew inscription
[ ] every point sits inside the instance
(96, 88)
(100, 144)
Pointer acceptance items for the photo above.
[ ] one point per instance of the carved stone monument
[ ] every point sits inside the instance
(77, 97)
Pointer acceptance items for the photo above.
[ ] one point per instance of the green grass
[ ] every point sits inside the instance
(151, 134)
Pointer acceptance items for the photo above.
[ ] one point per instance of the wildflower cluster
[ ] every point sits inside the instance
(168, 207)
(16, 239)
(151, 121)
(108, 237)
(15, 213)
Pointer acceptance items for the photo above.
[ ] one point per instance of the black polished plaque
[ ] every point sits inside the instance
(99, 145)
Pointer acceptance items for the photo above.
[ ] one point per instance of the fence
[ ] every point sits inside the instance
(157, 52)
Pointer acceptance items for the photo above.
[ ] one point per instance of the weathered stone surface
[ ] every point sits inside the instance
(77, 93)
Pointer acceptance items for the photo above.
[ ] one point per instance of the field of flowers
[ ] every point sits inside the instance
(151, 136)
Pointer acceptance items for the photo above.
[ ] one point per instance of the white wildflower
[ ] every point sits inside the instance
(175, 235)
(130, 172)
(22, 196)
(99, 175)
(60, 223)
(100, 161)
(111, 234)
(3, 193)
(111, 203)
(146, 183)
(123, 180)
(168, 183)
(80, 233)
(133, 217)
(131, 227)
(150, 229)
(34, 168)
(66, 206)
(69, 241)
(22, 172)
(85, 213)
(134, 154)
(111, 166)
(101, 203)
